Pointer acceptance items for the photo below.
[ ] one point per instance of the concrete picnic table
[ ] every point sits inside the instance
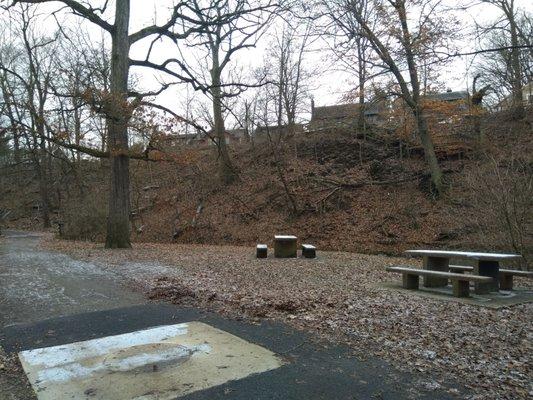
(488, 264)
(285, 246)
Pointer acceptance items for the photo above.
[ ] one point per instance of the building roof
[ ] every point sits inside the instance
(339, 111)
(187, 136)
(448, 96)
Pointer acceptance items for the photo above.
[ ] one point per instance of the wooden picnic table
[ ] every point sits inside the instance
(487, 264)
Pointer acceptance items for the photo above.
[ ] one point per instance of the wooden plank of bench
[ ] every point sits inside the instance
(449, 275)
(464, 254)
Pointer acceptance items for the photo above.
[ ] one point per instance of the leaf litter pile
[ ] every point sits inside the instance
(338, 297)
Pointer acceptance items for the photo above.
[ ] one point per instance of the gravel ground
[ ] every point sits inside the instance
(336, 297)
(13, 383)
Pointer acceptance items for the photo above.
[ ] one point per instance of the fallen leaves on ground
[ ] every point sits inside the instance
(338, 297)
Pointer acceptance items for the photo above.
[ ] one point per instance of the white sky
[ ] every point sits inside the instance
(329, 85)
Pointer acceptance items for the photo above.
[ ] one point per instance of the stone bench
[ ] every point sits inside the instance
(460, 282)
(459, 269)
(261, 251)
(285, 246)
(308, 251)
(505, 275)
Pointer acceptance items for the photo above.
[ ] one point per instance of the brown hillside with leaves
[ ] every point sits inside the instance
(337, 191)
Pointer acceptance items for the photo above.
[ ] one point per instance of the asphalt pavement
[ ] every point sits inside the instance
(49, 299)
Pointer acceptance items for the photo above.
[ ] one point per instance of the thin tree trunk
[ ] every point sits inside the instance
(118, 219)
(361, 123)
(227, 171)
(429, 151)
(43, 192)
(77, 129)
(517, 102)
(16, 145)
(415, 103)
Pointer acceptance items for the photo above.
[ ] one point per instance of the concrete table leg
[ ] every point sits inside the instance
(487, 268)
(506, 281)
(436, 264)
(461, 288)
(410, 281)
(285, 248)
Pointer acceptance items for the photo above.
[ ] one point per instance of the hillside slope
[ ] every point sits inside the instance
(337, 191)
(347, 193)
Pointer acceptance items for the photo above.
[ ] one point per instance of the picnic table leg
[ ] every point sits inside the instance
(487, 268)
(436, 264)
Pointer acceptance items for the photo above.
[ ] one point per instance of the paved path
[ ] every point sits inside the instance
(49, 299)
(37, 284)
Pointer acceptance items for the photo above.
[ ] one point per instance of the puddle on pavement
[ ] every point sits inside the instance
(158, 363)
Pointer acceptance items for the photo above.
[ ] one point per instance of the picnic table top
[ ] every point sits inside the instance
(464, 254)
(285, 237)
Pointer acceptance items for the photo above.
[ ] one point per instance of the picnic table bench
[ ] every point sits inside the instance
(506, 275)
(487, 264)
(460, 282)
(308, 251)
(261, 251)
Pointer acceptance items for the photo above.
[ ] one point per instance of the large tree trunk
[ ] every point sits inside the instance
(227, 171)
(43, 193)
(118, 219)
(16, 145)
(43, 165)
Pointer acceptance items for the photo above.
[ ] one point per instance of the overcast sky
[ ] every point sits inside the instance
(329, 85)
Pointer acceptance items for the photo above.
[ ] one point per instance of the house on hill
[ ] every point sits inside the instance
(232, 136)
(527, 98)
(449, 96)
(447, 104)
(440, 106)
(188, 139)
(446, 115)
(346, 115)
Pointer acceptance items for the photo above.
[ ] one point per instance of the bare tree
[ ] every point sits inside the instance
(499, 68)
(221, 29)
(509, 26)
(115, 105)
(285, 66)
(407, 36)
(350, 45)
(27, 77)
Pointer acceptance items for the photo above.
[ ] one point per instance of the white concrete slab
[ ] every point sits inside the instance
(157, 363)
